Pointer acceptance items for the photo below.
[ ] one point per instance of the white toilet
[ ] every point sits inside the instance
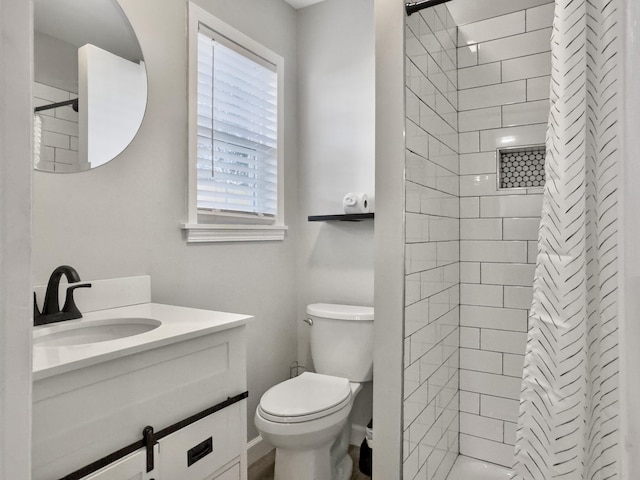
(305, 418)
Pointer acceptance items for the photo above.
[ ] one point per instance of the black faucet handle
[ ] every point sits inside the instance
(70, 304)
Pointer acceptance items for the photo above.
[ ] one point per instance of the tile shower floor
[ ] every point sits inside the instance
(263, 468)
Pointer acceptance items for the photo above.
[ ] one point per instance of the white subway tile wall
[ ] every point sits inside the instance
(514, 46)
(59, 147)
(432, 236)
(491, 29)
(504, 66)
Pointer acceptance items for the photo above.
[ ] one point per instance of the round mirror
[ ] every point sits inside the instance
(90, 84)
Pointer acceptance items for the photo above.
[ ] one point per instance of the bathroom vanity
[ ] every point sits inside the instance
(93, 399)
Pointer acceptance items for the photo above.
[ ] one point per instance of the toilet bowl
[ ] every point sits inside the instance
(306, 417)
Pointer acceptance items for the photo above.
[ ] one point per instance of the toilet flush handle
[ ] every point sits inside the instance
(308, 321)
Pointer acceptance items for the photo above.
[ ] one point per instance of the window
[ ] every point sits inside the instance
(235, 135)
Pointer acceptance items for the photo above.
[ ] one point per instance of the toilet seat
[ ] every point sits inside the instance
(304, 398)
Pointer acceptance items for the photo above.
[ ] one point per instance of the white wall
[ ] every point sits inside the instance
(56, 62)
(336, 93)
(15, 246)
(630, 254)
(336, 155)
(389, 238)
(124, 218)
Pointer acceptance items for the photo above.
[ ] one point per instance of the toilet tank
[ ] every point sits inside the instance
(342, 340)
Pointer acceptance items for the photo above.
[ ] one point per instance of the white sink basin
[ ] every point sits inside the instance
(96, 331)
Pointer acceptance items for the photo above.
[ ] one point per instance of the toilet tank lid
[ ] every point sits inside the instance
(340, 312)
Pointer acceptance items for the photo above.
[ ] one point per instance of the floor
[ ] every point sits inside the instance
(263, 468)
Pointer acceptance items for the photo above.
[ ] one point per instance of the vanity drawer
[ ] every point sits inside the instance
(196, 452)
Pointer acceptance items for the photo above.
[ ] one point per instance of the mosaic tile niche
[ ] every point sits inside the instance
(521, 167)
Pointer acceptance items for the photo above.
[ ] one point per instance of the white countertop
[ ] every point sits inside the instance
(178, 324)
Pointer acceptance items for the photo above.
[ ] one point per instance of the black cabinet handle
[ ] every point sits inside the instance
(199, 451)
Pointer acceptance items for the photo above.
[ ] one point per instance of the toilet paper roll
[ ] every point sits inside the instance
(354, 202)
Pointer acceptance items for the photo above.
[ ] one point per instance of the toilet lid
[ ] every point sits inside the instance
(303, 398)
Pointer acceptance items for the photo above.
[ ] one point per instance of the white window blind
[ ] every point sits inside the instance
(237, 169)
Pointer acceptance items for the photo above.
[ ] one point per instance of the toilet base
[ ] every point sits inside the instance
(341, 463)
(329, 462)
(344, 469)
(312, 464)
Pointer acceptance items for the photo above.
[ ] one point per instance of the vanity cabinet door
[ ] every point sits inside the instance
(232, 474)
(131, 467)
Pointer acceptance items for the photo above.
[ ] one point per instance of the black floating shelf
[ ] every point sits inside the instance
(345, 217)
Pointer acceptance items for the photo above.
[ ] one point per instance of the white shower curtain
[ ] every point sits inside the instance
(568, 424)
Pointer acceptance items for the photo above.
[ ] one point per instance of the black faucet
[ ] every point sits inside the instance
(51, 309)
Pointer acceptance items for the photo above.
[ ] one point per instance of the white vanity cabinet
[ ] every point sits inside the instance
(86, 410)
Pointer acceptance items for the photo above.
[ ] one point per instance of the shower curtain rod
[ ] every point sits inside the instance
(73, 103)
(417, 6)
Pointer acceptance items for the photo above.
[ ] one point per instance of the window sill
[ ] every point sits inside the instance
(203, 233)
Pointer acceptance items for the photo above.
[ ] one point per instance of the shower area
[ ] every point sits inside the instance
(475, 100)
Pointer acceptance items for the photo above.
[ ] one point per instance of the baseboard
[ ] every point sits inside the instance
(358, 432)
(256, 449)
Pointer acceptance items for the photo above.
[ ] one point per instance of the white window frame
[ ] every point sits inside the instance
(203, 226)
